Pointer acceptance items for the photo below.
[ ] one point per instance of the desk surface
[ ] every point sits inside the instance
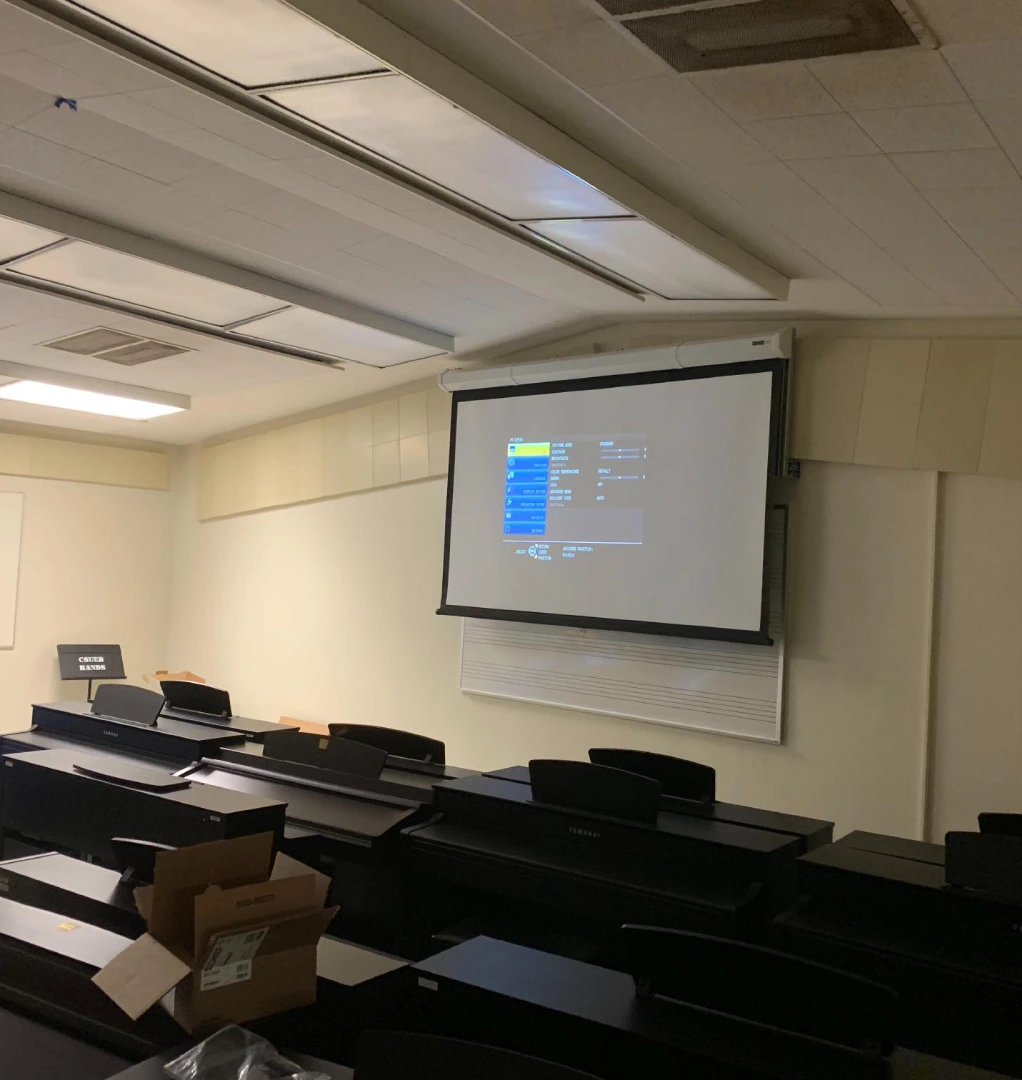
(153, 1068)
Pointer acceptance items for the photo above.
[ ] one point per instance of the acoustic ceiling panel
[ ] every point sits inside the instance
(330, 336)
(651, 258)
(252, 42)
(405, 123)
(116, 276)
(17, 238)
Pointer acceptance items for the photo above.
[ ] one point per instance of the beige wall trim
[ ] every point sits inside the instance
(84, 462)
(394, 440)
(942, 405)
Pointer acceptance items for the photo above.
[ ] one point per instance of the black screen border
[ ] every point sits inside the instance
(776, 366)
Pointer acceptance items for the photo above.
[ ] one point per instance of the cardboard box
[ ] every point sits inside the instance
(305, 725)
(156, 677)
(233, 937)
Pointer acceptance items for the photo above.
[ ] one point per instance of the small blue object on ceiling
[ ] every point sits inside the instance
(71, 103)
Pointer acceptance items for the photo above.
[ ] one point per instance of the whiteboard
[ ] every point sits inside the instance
(11, 507)
(720, 687)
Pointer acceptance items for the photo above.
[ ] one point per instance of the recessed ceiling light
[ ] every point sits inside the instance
(17, 238)
(410, 125)
(305, 329)
(650, 257)
(112, 274)
(67, 397)
(252, 42)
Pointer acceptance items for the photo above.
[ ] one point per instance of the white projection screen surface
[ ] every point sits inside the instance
(630, 502)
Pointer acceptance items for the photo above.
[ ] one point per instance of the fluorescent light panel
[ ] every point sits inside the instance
(404, 122)
(17, 238)
(650, 257)
(116, 276)
(30, 392)
(305, 329)
(252, 42)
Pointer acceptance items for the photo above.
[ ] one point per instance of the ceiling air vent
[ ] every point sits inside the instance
(702, 35)
(115, 346)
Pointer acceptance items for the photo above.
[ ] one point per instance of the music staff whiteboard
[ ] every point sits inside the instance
(11, 507)
(715, 686)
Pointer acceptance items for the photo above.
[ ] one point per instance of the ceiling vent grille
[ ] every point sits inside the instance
(115, 346)
(703, 35)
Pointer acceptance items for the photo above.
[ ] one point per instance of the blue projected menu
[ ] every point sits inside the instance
(526, 487)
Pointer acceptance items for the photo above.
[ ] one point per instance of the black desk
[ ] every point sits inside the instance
(33, 1051)
(46, 966)
(178, 740)
(491, 991)
(492, 850)
(153, 1068)
(878, 905)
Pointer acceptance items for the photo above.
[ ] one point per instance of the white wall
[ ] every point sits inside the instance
(95, 567)
(978, 689)
(325, 611)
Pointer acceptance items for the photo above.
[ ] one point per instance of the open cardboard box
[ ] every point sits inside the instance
(172, 676)
(232, 931)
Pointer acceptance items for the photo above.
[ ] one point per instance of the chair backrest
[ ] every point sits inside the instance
(402, 1055)
(404, 744)
(761, 985)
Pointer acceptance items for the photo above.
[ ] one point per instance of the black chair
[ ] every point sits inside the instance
(401, 1055)
(404, 744)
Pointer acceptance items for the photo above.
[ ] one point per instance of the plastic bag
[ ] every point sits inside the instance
(236, 1054)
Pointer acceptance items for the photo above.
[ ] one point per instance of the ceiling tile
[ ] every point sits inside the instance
(264, 139)
(907, 226)
(154, 158)
(1004, 117)
(84, 131)
(185, 104)
(20, 30)
(289, 247)
(774, 192)
(836, 176)
(962, 206)
(20, 102)
(594, 54)
(109, 182)
(957, 169)
(212, 147)
(725, 144)
(240, 229)
(28, 153)
(127, 111)
(105, 67)
(927, 127)
(972, 20)
(175, 207)
(34, 71)
(364, 184)
(828, 136)
(226, 186)
(988, 69)
(286, 210)
(532, 16)
(664, 102)
(338, 231)
(887, 80)
(766, 92)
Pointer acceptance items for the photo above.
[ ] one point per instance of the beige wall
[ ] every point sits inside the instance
(325, 611)
(95, 566)
(978, 686)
